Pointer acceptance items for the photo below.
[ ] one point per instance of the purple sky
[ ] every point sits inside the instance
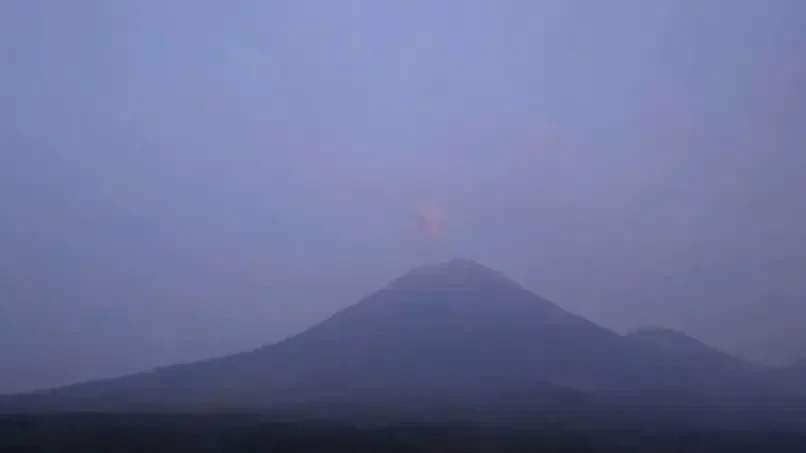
(182, 179)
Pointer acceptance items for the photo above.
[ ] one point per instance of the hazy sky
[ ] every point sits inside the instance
(182, 179)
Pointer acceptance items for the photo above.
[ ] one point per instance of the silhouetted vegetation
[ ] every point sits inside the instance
(224, 433)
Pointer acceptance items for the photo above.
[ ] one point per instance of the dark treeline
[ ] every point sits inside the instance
(225, 433)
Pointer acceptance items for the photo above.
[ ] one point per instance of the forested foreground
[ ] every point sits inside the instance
(161, 433)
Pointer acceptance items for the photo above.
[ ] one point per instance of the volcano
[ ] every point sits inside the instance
(453, 334)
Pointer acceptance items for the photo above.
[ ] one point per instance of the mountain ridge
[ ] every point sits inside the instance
(451, 334)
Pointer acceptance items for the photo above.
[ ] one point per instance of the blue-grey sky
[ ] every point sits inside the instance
(182, 179)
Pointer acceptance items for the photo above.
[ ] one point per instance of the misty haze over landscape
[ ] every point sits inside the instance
(403, 207)
(453, 334)
(455, 347)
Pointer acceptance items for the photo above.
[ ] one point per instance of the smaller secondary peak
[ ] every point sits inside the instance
(798, 365)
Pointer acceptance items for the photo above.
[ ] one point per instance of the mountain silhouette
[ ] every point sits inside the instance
(795, 375)
(451, 334)
(799, 367)
(698, 365)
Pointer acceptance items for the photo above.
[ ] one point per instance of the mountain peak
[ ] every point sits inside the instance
(457, 263)
(460, 261)
(456, 272)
